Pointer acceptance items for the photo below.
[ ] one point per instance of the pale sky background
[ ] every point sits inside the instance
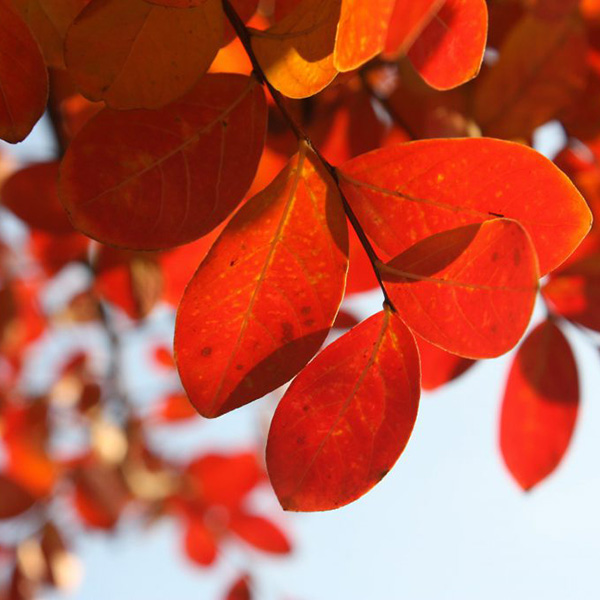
(447, 523)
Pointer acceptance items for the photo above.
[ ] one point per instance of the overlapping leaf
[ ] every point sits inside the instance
(540, 405)
(139, 55)
(405, 193)
(296, 54)
(265, 297)
(361, 32)
(155, 179)
(540, 70)
(23, 77)
(450, 49)
(439, 367)
(346, 418)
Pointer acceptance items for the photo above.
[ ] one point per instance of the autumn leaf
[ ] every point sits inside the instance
(136, 54)
(405, 193)
(296, 53)
(149, 180)
(439, 367)
(540, 405)
(270, 286)
(361, 32)
(470, 290)
(14, 499)
(450, 49)
(346, 418)
(260, 533)
(23, 77)
(540, 70)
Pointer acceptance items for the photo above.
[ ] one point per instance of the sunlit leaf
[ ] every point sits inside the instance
(407, 192)
(260, 533)
(346, 418)
(439, 367)
(540, 405)
(262, 302)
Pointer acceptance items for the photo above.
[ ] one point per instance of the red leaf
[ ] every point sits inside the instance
(439, 367)
(154, 179)
(470, 290)
(32, 195)
(240, 590)
(404, 193)
(263, 301)
(225, 480)
(14, 499)
(260, 533)
(176, 408)
(200, 544)
(23, 77)
(346, 418)
(540, 405)
(449, 51)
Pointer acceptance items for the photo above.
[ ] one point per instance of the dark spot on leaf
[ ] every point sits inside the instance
(306, 408)
(301, 440)
(309, 322)
(383, 474)
(495, 257)
(305, 310)
(239, 367)
(517, 256)
(287, 332)
(206, 351)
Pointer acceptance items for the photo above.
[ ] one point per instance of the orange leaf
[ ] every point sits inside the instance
(138, 55)
(406, 23)
(155, 179)
(296, 54)
(346, 418)
(450, 49)
(361, 32)
(14, 499)
(574, 292)
(23, 77)
(263, 301)
(32, 195)
(176, 408)
(469, 291)
(541, 69)
(260, 533)
(540, 405)
(404, 193)
(439, 367)
(49, 21)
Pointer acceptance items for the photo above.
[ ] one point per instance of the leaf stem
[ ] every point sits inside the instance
(244, 35)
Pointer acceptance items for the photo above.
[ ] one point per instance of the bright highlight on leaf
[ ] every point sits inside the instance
(469, 291)
(296, 54)
(450, 49)
(540, 405)
(149, 180)
(361, 32)
(135, 54)
(263, 301)
(23, 77)
(346, 418)
(405, 193)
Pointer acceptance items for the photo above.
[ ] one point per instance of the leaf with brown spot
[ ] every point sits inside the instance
(149, 180)
(135, 54)
(469, 291)
(540, 405)
(264, 299)
(405, 193)
(346, 418)
(23, 77)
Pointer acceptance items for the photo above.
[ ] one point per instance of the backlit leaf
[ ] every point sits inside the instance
(296, 54)
(262, 302)
(260, 533)
(200, 543)
(439, 367)
(469, 291)
(540, 70)
(406, 23)
(346, 418)
(540, 405)
(135, 54)
(32, 195)
(407, 192)
(23, 77)
(361, 32)
(450, 49)
(155, 179)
